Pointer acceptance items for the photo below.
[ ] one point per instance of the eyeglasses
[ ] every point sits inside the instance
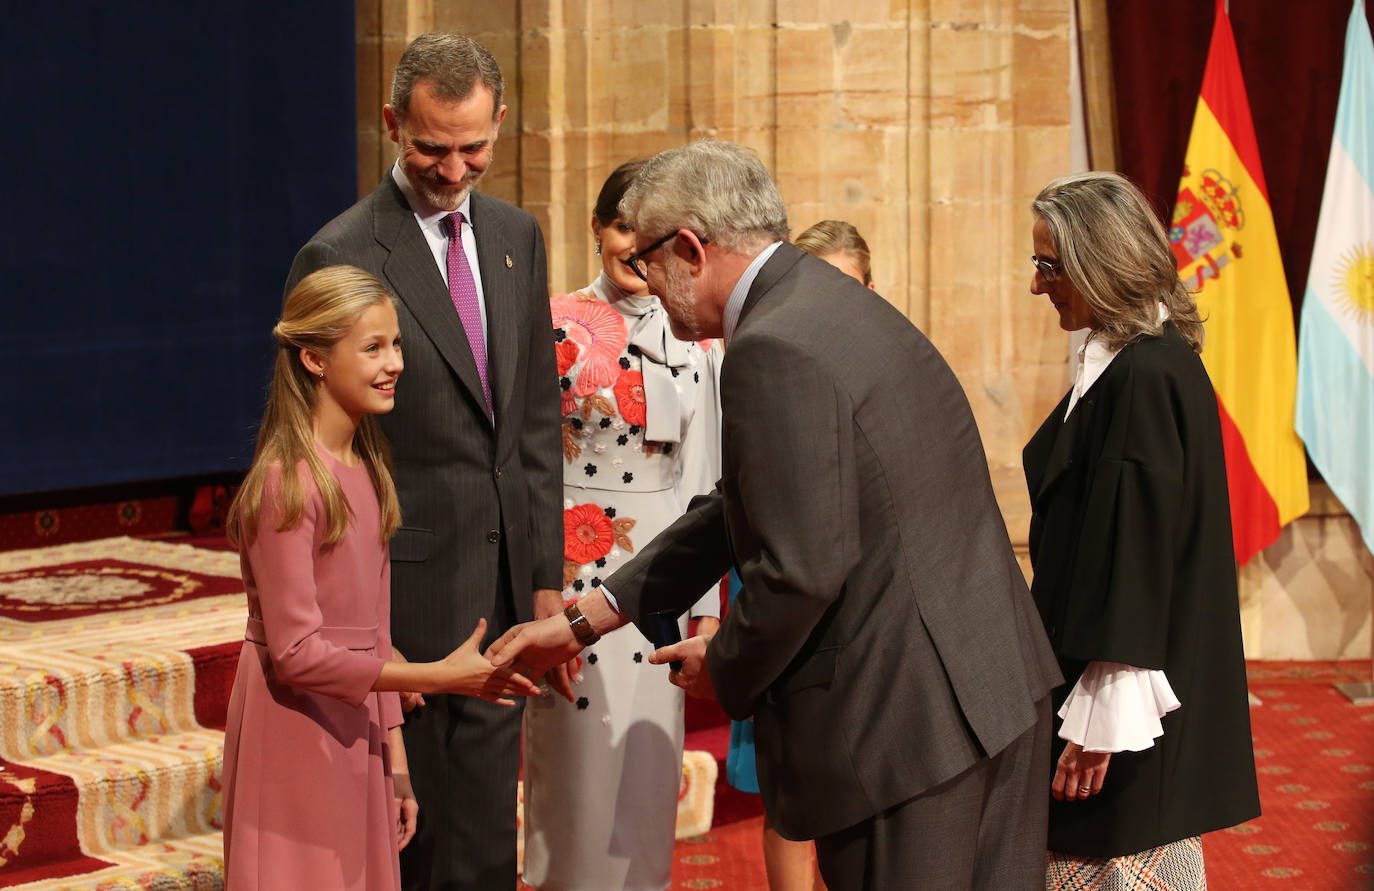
(636, 261)
(1049, 269)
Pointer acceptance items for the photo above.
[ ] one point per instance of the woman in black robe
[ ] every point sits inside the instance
(1130, 541)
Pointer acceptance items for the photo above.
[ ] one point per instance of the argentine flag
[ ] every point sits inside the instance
(1335, 407)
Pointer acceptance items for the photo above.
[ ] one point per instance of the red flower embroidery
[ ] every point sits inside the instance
(629, 395)
(567, 355)
(599, 330)
(587, 533)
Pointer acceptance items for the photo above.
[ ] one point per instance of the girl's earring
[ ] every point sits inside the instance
(321, 377)
(598, 247)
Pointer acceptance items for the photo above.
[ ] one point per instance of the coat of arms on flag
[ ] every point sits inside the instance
(1206, 218)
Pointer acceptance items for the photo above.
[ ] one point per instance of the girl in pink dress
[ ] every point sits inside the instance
(316, 790)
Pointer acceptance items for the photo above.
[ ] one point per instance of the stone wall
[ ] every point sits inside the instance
(929, 124)
(1309, 595)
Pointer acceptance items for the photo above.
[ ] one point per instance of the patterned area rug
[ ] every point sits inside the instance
(112, 659)
(87, 587)
(116, 662)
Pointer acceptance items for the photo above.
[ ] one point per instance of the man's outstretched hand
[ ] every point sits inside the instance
(548, 602)
(538, 647)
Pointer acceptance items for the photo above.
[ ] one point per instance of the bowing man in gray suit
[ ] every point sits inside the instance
(474, 434)
(885, 642)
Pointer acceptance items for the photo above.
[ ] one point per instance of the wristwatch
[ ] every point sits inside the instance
(581, 628)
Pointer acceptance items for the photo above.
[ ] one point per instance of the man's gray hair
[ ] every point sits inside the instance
(719, 190)
(453, 63)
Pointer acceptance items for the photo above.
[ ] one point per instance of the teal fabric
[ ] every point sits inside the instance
(739, 761)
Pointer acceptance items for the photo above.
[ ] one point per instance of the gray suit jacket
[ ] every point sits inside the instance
(885, 639)
(465, 485)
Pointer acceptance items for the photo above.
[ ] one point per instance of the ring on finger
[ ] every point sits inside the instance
(1084, 790)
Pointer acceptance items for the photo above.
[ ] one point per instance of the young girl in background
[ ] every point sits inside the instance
(316, 790)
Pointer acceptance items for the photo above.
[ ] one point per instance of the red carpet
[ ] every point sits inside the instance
(1314, 753)
(86, 522)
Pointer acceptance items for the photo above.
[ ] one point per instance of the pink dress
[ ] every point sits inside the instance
(307, 767)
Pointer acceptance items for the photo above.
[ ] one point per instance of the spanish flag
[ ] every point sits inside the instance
(1228, 254)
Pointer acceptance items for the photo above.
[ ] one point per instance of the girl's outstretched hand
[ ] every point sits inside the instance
(410, 700)
(466, 671)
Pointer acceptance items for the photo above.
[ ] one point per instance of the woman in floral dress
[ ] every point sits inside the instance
(641, 437)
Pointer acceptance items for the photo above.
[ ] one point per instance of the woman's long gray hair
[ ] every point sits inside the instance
(1114, 250)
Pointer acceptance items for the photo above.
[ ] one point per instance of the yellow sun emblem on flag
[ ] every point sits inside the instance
(1355, 282)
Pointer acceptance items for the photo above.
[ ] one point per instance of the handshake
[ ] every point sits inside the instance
(548, 646)
(547, 649)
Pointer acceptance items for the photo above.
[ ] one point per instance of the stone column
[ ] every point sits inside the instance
(997, 129)
(382, 28)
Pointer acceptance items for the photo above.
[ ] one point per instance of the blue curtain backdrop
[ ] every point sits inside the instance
(163, 163)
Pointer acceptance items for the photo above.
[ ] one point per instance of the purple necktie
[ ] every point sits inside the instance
(463, 290)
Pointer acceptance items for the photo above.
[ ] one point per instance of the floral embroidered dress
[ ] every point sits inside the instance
(641, 438)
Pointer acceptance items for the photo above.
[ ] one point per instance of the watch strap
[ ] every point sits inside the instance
(581, 628)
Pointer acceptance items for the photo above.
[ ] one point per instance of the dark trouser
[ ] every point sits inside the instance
(984, 829)
(464, 757)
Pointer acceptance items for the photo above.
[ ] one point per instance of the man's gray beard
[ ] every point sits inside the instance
(679, 299)
(447, 200)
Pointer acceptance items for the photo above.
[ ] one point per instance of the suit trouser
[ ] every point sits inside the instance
(983, 829)
(464, 757)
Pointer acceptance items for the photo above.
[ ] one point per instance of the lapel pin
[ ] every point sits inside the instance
(509, 264)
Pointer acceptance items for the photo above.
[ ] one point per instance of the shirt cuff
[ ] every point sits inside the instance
(610, 598)
(1116, 708)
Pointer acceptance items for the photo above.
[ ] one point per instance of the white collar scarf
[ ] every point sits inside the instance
(648, 330)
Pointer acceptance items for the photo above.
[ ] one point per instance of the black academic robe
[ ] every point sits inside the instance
(1130, 541)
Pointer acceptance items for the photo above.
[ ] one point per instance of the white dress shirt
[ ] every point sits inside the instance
(735, 305)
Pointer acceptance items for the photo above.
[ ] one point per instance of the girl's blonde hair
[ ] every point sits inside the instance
(1115, 251)
(837, 237)
(318, 313)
